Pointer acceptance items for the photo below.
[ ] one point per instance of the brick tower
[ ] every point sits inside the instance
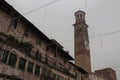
(81, 42)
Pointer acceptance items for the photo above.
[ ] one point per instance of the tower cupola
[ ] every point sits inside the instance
(80, 16)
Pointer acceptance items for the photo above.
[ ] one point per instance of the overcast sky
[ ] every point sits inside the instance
(56, 20)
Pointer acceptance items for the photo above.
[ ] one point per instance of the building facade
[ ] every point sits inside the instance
(108, 73)
(27, 54)
(81, 44)
(93, 76)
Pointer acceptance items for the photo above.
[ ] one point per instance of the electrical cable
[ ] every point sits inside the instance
(101, 42)
(31, 11)
(40, 7)
(105, 34)
(45, 13)
(86, 4)
(100, 35)
(107, 67)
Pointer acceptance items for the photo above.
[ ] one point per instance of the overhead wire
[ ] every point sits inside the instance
(86, 4)
(101, 41)
(40, 7)
(105, 34)
(45, 13)
(30, 11)
(107, 67)
(99, 35)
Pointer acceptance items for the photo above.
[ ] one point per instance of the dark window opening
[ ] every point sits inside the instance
(12, 60)
(30, 67)
(15, 23)
(3, 55)
(37, 70)
(77, 16)
(26, 33)
(47, 49)
(80, 15)
(22, 63)
(56, 51)
(55, 54)
(38, 55)
(38, 41)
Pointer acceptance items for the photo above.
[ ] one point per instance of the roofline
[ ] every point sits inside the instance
(61, 51)
(79, 68)
(17, 14)
(56, 43)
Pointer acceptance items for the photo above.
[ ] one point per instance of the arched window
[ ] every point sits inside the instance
(81, 15)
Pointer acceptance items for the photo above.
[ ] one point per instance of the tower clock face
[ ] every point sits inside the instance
(86, 44)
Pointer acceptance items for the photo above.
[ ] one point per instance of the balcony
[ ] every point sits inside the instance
(7, 72)
(24, 47)
(12, 41)
(61, 68)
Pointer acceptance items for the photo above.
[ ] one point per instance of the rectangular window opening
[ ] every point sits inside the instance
(12, 60)
(22, 63)
(30, 67)
(37, 70)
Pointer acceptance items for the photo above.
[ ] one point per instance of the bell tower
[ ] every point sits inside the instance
(81, 42)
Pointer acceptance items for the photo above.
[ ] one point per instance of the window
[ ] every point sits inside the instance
(1, 52)
(38, 55)
(77, 16)
(30, 67)
(26, 33)
(37, 70)
(38, 41)
(22, 63)
(54, 76)
(81, 15)
(55, 53)
(5, 56)
(15, 23)
(12, 60)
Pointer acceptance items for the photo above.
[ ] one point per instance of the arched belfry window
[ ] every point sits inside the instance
(81, 15)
